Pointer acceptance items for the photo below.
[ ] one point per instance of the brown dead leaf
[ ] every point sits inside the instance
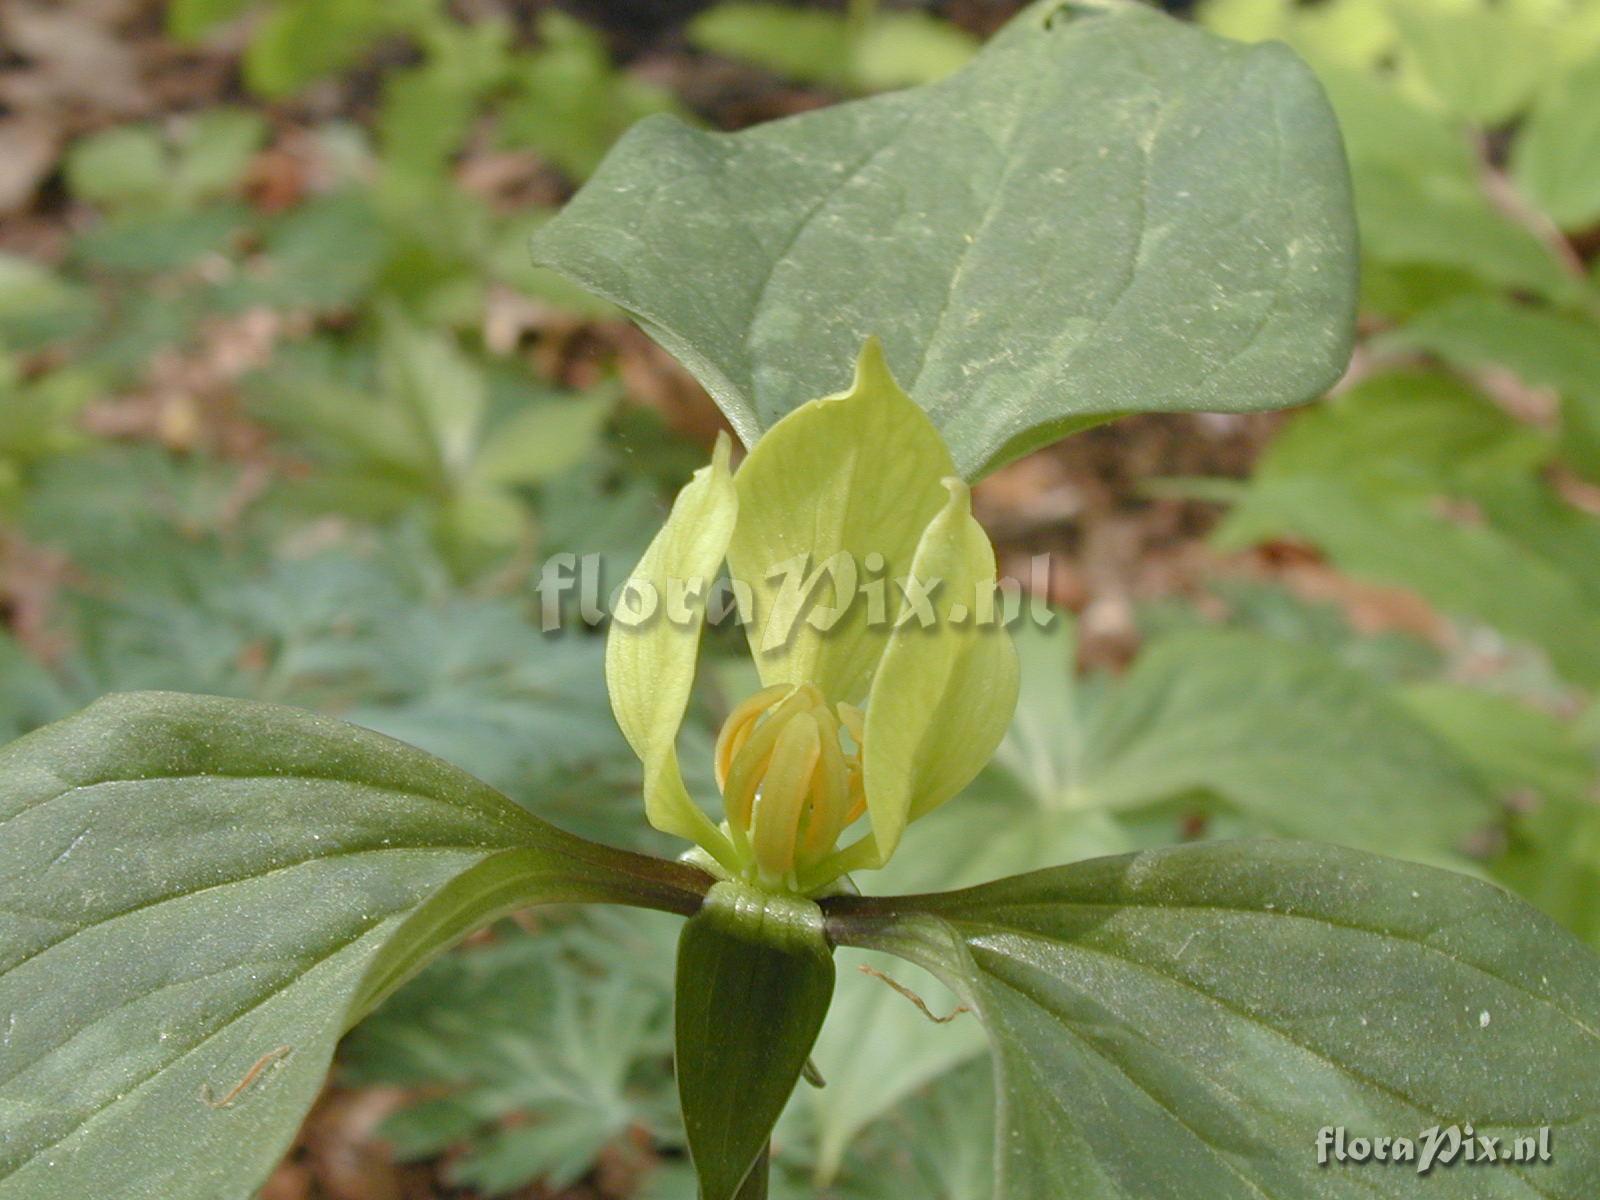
(75, 57)
(342, 1148)
(30, 143)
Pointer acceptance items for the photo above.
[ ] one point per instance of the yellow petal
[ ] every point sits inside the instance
(944, 694)
(650, 659)
(838, 485)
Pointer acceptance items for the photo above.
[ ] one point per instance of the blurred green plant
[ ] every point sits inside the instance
(435, 460)
(424, 426)
(1475, 151)
(1456, 466)
(550, 1050)
(863, 49)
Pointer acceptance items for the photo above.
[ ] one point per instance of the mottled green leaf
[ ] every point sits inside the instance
(1181, 1023)
(201, 895)
(1106, 212)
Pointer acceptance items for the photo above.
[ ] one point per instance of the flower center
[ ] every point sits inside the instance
(788, 785)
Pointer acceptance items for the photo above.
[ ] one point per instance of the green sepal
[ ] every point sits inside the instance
(755, 976)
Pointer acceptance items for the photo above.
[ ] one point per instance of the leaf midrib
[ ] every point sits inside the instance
(506, 817)
(253, 876)
(1159, 906)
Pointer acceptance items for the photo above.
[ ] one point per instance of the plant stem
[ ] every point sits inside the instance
(755, 1183)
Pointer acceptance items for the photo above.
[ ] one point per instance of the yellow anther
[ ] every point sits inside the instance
(781, 801)
(789, 785)
(736, 730)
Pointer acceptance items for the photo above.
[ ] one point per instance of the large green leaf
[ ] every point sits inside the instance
(200, 896)
(1182, 1022)
(1107, 211)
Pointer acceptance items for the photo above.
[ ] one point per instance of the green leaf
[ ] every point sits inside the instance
(569, 102)
(166, 241)
(37, 306)
(876, 1048)
(1474, 571)
(1183, 1022)
(1580, 434)
(441, 390)
(126, 165)
(303, 40)
(214, 153)
(1556, 157)
(650, 661)
(1535, 760)
(1484, 63)
(903, 49)
(1284, 733)
(324, 254)
(755, 975)
(943, 1138)
(1386, 129)
(802, 44)
(201, 896)
(1407, 431)
(886, 50)
(1039, 240)
(1516, 747)
(1417, 481)
(1545, 348)
(532, 1054)
(191, 20)
(1447, 222)
(541, 440)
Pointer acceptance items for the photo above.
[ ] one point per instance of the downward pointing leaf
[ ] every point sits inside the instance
(1181, 1023)
(199, 896)
(1106, 212)
(754, 980)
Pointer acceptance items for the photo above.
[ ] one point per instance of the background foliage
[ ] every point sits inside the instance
(285, 413)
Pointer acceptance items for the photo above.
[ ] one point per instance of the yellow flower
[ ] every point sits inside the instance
(869, 600)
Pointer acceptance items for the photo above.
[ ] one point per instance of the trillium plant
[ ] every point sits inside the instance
(1106, 212)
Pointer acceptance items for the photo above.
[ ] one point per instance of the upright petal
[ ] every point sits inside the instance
(832, 501)
(655, 640)
(946, 688)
